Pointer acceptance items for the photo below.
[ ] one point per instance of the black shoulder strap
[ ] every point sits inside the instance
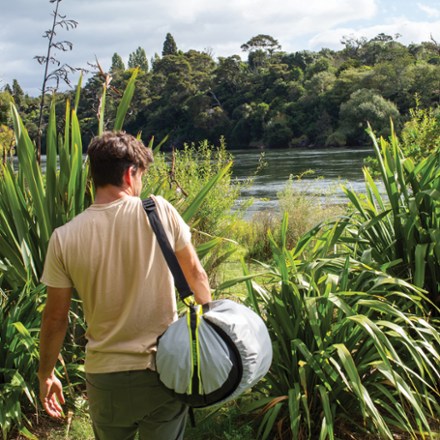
(168, 252)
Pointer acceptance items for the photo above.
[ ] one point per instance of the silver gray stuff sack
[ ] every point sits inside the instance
(235, 353)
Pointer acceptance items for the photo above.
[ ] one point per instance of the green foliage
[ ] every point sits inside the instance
(185, 178)
(221, 423)
(352, 315)
(347, 358)
(138, 59)
(117, 64)
(31, 205)
(421, 134)
(20, 317)
(33, 202)
(7, 142)
(309, 97)
(169, 45)
(261, 42)
(304, 210)
(188, 171)
(253, 235)
(400, 229)
(367, 107)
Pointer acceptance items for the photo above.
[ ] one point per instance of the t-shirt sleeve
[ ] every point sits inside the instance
(54, 272)
(180, 230)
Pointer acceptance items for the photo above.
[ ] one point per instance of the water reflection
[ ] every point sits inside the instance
(331, 168)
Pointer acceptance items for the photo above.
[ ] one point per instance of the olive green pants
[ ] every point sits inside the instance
(124, 403)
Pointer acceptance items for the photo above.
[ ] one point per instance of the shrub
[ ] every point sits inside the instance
(253, 235)
(185, 178)
(401, 228)
(187, 171)
(20, 318)
(347, 358)
(305, 210)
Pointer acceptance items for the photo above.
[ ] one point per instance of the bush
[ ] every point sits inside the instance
(305, 210)
(20, 318)
(400, 229)
(184, 177)
(187, 172)
(352, 315)
(421, 134)
(347, 358)
(252, 235)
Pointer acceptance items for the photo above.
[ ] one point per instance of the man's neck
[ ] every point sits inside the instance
(110, 193)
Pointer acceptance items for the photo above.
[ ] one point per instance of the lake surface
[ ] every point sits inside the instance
(332, 168)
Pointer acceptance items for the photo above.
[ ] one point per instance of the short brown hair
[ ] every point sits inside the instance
(112, 153)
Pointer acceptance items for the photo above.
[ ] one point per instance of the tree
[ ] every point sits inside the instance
(266, 43)
(7, 142)
(229, 72)
(277, 133)
(257, 59)
(302, 59)
(169, 46)
(17, 93)
(320, 83)
(138, 58)
(352, 46)
(367, 106)
(5, 99)
(117, 64)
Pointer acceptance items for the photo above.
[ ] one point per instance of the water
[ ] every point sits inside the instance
(332, 168)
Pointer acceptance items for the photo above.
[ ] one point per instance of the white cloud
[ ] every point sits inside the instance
(429, 11)
(409, 32)
(109, 26)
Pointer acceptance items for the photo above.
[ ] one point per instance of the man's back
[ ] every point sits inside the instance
(110, 255)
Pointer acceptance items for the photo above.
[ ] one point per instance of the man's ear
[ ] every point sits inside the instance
(128, 176)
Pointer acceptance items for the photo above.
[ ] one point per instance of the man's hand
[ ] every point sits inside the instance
(51, 396)
(53, 329)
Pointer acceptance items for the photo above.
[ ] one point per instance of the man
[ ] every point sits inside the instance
(110, 255)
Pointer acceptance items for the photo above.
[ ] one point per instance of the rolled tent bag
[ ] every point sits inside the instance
(213, 353)
(211, 357)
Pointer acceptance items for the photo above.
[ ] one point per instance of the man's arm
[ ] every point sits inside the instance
(194, 273)
(53, 331)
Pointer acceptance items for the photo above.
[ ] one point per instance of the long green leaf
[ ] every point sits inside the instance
(125, 101)
(51, 164)
(203, 193)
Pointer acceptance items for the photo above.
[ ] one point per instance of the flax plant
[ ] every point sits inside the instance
(353, 313)
(400, 228)
(347, 359)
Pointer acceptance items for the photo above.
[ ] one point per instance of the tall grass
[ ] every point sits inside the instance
(304, 211)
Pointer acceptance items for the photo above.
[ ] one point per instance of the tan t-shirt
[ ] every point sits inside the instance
(110, 255)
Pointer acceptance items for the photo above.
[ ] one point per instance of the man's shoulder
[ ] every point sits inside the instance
(75, 222)
(158, 199)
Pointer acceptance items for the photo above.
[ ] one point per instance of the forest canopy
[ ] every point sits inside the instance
(264, 97)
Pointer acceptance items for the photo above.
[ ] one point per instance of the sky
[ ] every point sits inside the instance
(220, 27)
